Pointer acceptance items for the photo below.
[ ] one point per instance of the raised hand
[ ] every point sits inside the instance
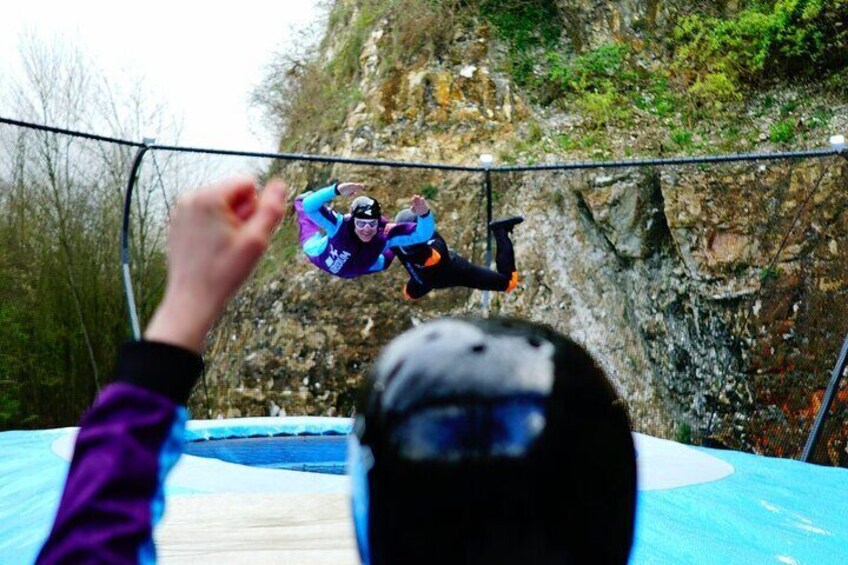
(349, 188)
(216, 237)
(418, 205)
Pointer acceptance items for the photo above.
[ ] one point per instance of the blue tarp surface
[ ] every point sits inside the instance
(768, 511)
(763, 510)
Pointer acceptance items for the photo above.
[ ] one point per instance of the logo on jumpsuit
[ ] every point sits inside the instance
(335, 261)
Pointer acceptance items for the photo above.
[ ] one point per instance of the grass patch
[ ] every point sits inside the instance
(506, 157)
(565, 142)
(820, 118)
(596, 71)
(657, 97)
(429, 191)
(683, 433)
(527, 27)
(782, 131)
(788, 108)
(681, 137)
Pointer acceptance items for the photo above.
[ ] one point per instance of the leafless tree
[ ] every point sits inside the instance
(61, 209)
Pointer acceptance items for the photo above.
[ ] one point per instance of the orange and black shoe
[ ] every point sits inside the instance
(506, 224)
(513, 282)
(406, 293)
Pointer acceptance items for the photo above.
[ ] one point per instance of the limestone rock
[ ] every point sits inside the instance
(627, 207)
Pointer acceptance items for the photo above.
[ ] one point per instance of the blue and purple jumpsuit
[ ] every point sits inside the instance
(330, 243)
(128, 442)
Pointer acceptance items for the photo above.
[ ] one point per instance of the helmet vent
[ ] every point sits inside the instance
(479, 348)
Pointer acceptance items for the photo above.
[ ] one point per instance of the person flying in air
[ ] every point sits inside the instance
(357, 243)
(434, 265)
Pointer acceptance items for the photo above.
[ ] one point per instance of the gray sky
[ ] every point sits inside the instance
(201, 58)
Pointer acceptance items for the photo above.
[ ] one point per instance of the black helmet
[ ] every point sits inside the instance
(365, 207)
(491, 441)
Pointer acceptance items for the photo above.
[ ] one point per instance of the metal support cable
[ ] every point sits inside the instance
(669, 161)
(320, 159)
(69, 132)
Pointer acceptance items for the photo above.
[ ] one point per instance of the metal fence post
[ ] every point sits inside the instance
(126, 274)
(487, 160)
(830, 393)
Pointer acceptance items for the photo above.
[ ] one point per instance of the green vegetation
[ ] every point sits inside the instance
(681, 137)
(769, 274)
(527, 26)
(62, 311)
(700, 67)
(820, 118)
(284, 246)
(602, 84)
(62, 316)
(767, 39)
(838, 83)
(565, 142)
(782, 131)
(657, 97)
(596, 71)
(683, 434)
(715, 62)
(429, 191)
(714, 90)
(310, 97)
(506, 157)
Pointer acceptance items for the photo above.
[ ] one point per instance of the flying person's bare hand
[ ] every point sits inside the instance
(418, 205)
(349, 188)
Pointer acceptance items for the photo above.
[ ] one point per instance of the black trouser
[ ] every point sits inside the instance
(455, 270)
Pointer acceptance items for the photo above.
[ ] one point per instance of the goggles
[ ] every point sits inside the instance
(478, 430)
(361, 223)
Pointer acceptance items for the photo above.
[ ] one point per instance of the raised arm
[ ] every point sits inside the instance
(315, 205)
(132, 436)
(406, 234)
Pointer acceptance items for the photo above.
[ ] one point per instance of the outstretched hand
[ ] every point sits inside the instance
(217, 236)
(418, 205)
(349, 188)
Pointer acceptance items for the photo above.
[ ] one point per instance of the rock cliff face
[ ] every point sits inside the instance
(712, 295)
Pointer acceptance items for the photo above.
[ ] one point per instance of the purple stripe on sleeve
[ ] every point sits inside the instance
(306, 227)
(105, 512)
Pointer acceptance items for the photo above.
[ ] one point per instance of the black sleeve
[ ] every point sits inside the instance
(160, 367)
